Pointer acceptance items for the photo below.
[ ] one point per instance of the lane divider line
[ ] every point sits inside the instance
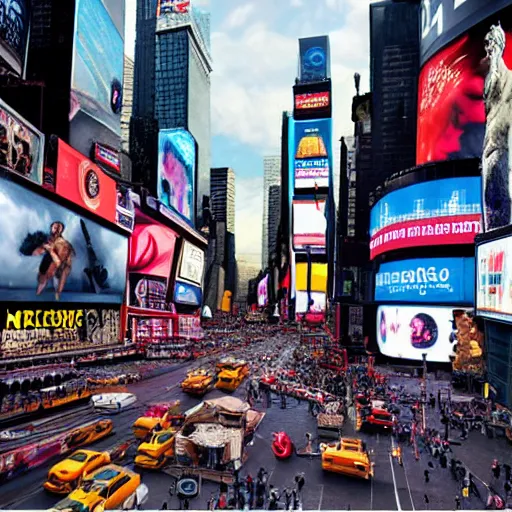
(399, 507)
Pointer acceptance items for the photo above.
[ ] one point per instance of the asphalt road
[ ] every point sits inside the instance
(393, 487)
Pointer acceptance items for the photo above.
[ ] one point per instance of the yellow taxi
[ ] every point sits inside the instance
(231, 374)
(111, 487)
(154, 453)
(67, 474)
(198, 382)
(348, 457)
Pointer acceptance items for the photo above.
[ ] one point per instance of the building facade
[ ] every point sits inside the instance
(273, 212)
(222, 196)
(271, 177)
(126, 112)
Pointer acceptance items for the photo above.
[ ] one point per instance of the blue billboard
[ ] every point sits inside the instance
(314, 59)
(435, 280)
(188, 294)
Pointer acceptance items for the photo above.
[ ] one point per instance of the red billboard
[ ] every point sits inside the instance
(85, 184)
(312, 100)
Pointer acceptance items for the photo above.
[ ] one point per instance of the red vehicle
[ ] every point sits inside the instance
(282, 445)
(378, 418)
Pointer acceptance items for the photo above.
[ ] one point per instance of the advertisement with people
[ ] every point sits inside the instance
(21, 145)
(438, 212)
(312, 155)
(435, 280)
(309, 225)
(263, 292)
(176, 171)
(52, 254)
(15, 21)
(407, 332)
(97, 74)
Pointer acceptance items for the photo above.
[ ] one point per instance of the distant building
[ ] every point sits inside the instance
(274, 214)
(222, 196)
(248, 268)
(126, 112)
(271, 177)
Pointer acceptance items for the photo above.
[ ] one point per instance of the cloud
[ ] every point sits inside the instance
(239, 16)
(296, 3)
(249, 214)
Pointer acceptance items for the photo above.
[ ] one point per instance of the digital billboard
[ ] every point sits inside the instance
(435, 280)
(312, 154)
(318, 277)
(311, 102)
(192, 264)
(318, 304)
(309, 225)
(176, 171)
(314, 59)
(148, 292)
(187, 294)
(51, 253)
(15, 21)
(21, 145)
(108, 157)
(172, 6)
(97, 74)
(438, 212)
(263, 292)
(494, 279)
(407, 332)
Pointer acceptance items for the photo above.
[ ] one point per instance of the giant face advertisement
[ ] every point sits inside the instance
(314, 59)
(50, 253)
(494, 279)
(435, 280)
(21, 145)
(97, 75)
(309, 225)
(312, 158)
(14, 20)
(176, 171)
(407, 332)
(439, 212)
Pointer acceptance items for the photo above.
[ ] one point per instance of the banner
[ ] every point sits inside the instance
(192, 264)
(36, 330)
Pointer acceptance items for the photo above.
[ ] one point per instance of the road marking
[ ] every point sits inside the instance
(408, 486)
(321, 497)
(371, 493)
(399, 507)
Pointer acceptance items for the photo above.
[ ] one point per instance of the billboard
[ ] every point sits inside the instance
(21, 145)
(435, 280)
(50, 253)
(15, 21)
(318, 277)
(172, 6)
(494, 279)
(318, 302)
(187, 294)
(407, 332)
(438, 212)
(444, 20)
(312, 154)
(148, 292)
(451, 110)
(108, 157)
(263, 292)
(312, 101)
(176, 171)
(309, 225)
(38, 330)
(192, 264)
(97, 74)
(314, 59)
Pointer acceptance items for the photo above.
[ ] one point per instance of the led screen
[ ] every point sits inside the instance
(97, 75)
(14, 20)
(438, 212)
(318, 302)
(314, 59)
(312, 100)
(407, 332)
(263, 292)
(187, 294)
(192, 263)
(148, 292)
(312, 153)
(172, 6)
(176, 171)
(309, 225)
(494, 279)
(318, 277)
(51, 253)
(435, 280)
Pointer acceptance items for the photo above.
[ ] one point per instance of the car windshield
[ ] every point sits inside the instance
(163, 438)
(106, 474)
(78, 457)
(71, 505)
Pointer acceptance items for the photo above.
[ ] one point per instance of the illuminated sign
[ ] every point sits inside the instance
(185, 293)
(172, 6)
(192, 263)
(107, 156)
(312, 100)
(309, 225)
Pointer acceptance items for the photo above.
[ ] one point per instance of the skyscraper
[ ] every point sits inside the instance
(126, 111)
(271, 177)
(274, 212)
(222, 196)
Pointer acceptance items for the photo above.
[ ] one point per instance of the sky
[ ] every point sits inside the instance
(255, 59)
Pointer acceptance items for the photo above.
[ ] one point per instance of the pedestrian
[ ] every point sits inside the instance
(432, 400)
(508, 471)
(287, 498)
(507, 488)
(300, 481)
(496, 469)
(457, 503)
(426, 474)
(426, 500)
(439, 399)
(295, 499)
(164, 506)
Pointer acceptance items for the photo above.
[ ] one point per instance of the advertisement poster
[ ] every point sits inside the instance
(263, 292)
(36, 330)
(172, 6)
(21, 145)
(85, 184)
(187, 294)
(15, 21)
(312, 155)
(318, 300)
(314, 59)
(451, 109)
(52, 254)
(436, 280)
(309, 225)
(407, 332)
(176, 171)
(318, 277)
(311, 104)
(439, 212)
(148, 292)
(494, 279)
(192, 264)
(97, 74)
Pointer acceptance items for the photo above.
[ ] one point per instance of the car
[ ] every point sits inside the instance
(154, 453)
(111, 487)
(231, 374)
(377, 419)
(198, 382)
(67, 475)
(162, 416)
(348, 457)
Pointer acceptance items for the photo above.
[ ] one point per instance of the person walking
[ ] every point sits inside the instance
(164, 506)
(426, 474)
(508, 472)
(457, 503)
(300, 481)
(496, 469)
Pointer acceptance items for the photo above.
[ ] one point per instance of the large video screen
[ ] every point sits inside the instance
(312, 156)
(52, 254)
(407, 332)
(309, 225)
(314, 59)
(176, 171)
(439, 212)
(494, 279)
(318, 277)
(21, 145)
(435, 280)
(318, 302)
(15, 21)
(97, 76)
(263, 292)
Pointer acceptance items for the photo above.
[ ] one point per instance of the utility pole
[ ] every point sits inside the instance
(424, 394)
